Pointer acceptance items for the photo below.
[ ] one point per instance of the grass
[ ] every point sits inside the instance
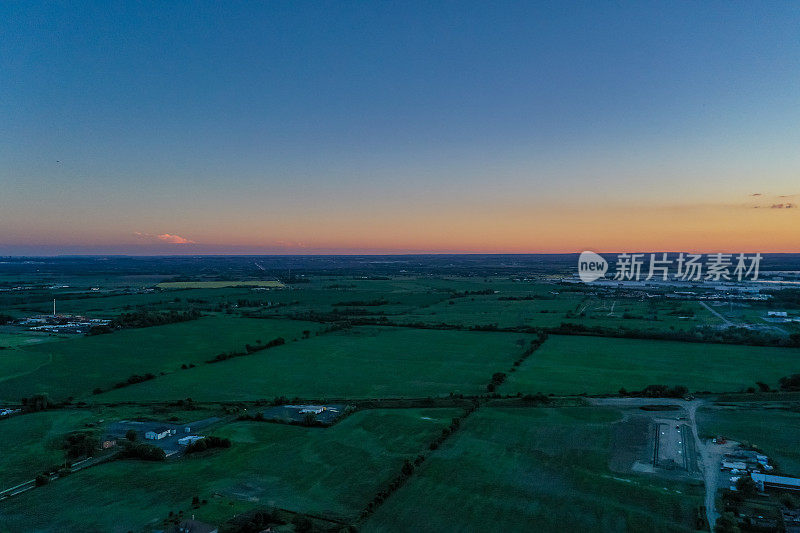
(363, 362)
(332, 472)
(218, 284)
(14, 337)
(776, 431)
(533, 470)
(76, 366)
(549, 310)
(597, 365)
(32, 443)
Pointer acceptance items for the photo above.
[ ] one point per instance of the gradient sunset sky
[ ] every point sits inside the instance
(392, 127)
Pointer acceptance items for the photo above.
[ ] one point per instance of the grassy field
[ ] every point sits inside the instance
(550, 310)
(107, 304)
(14, 337)
(595, 365)
(332, 471)
(776, 431)
(32, 443)
(533, 470)
(218, 284)
(76, 366)
(363, 362)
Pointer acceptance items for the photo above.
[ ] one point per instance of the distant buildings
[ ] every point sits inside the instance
(185, 441)
(159, 433)
(192, 526)
(62, 323)
(312, 409)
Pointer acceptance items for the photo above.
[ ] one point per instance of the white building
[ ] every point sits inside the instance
(185, 441)
(315, 409)
(157, 434)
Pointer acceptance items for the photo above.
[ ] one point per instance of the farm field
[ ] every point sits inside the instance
(218, 284)
(362, 362)
(35, 442)
(75, 367)
(32, 443)
(775, 431)
(105, 305)
(551, 310)
(534, 469)
(598, 365)
(331, 471)
(12, 337)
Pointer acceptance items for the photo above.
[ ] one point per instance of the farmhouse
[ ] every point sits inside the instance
(158, 433)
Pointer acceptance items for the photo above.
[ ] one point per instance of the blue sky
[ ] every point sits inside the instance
(330, 126)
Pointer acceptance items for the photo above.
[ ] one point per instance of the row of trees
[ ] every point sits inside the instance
(248, 350)
(208, 443)
(144, 319)
(409, 466)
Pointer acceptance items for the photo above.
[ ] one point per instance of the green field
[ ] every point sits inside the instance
(33, 443)
(363, 362)
(218, 284)
(550, 308)
(597, 365)
(331, 471)
(775, 431)
(533, 470)
(76, 366)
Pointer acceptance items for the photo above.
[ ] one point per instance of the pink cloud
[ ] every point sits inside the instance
(164, 237)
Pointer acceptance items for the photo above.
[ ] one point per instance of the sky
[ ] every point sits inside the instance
(399, 127)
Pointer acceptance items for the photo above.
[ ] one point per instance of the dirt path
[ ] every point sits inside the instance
(709, 455)
(725, 321)
(708, 461)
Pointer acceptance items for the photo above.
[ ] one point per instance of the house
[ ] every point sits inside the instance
(781, 314)
(312, 409)
(108, 442)
(158, 433)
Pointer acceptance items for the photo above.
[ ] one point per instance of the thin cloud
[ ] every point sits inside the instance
(164, 237)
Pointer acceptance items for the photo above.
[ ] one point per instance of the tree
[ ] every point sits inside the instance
(131, 435)
(790, 383)
(726, 524)
(746, 487)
